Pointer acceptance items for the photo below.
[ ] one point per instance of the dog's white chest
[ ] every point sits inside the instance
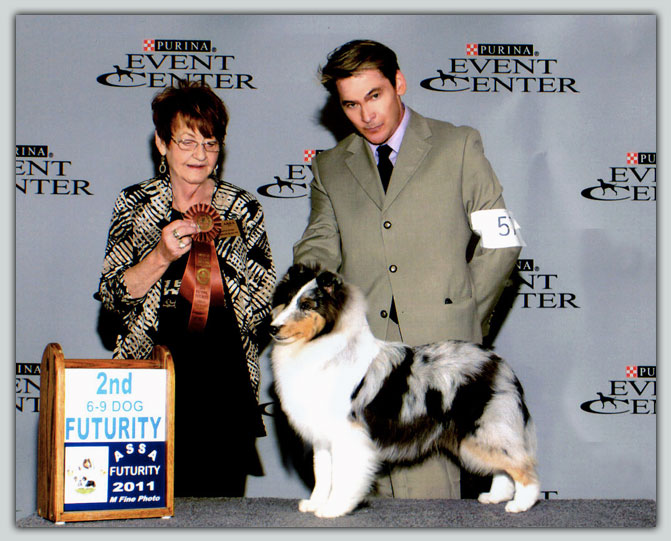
(315, 391)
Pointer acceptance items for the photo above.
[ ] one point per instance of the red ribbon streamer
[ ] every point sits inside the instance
(202, 285)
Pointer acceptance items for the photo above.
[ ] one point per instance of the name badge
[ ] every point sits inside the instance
(229, 228)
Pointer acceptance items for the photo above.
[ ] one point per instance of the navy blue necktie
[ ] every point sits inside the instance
(384, 165)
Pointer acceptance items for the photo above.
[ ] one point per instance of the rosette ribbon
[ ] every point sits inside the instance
(202, 285)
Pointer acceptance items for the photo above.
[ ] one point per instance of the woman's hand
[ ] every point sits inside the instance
(176, 239)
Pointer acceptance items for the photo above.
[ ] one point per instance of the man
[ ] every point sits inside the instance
(405, 241)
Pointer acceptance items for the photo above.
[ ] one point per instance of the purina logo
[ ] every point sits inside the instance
(28, 387)
(636, 394)
(634, 181)
(491, 49)
(160, 63)
(539, 289)
(633, 372)
(496, 67)
(38, 172)
(294, 181)
(177, 45)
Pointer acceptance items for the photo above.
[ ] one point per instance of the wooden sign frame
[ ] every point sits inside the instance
(51, 483)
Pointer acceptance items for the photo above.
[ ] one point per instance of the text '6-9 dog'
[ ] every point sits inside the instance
(360, 401)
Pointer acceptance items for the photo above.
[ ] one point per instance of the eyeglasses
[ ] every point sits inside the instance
(189, 145)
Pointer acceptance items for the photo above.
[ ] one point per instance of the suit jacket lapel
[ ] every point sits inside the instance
(362, 165)
(414, 148)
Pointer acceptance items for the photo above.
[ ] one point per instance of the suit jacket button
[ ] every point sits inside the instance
(384, 314)
(393, 268)
(387, 224)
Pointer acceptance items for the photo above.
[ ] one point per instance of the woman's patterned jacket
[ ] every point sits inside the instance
(248, 271)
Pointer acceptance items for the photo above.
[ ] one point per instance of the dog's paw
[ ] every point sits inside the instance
(490, 497)
(486, 497)
(514, 507)
(525, 498)
(330, 510)
(307, 506)
(519, 506)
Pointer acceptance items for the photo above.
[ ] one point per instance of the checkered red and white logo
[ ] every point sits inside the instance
(632, 158)
(148, 45)
(631, 372)
(471, 49)
(308, 155)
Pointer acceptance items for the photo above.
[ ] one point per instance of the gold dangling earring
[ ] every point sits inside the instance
(163, 168)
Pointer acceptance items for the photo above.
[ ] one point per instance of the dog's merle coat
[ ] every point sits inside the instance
(361, 401)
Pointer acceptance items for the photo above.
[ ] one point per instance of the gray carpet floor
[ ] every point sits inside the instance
(385, 513)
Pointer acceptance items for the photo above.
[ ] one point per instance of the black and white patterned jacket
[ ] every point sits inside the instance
(248, 271)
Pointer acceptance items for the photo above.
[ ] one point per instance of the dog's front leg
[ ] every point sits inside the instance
(322, 488)
(354, 463)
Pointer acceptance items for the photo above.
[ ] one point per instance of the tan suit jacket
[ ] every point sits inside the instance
(411, 242)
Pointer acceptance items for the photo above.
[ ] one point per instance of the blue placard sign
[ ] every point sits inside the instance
(115, 439)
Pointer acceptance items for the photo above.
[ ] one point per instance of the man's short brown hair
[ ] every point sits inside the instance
(355, 56)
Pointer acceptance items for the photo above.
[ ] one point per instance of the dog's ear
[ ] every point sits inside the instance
(296, 276)
(296, 270)
(299, 271)
(329, 282)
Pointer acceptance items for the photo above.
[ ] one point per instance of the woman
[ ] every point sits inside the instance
(151, 270)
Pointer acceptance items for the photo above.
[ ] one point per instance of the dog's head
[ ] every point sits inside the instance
(306, 304)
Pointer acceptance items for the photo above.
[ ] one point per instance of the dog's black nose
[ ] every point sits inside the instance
(273, 330)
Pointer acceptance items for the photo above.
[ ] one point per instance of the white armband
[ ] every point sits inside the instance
(497, 228)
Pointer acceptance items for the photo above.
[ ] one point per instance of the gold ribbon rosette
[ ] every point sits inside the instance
(202, 285)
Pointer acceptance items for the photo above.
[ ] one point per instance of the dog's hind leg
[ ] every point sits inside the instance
(527, 489)
(322, 488)
(524, 487)
(502, 490)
